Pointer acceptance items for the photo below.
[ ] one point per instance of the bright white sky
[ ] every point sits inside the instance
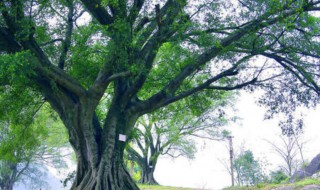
(207, 172)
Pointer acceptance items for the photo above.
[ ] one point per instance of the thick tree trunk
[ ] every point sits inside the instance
(99, 150)
(148, 177)
(8, 186)
(100, 164)
(148, 169)
(108, 176)
(8, 180)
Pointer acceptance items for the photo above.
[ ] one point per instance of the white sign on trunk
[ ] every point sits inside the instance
(122, 137)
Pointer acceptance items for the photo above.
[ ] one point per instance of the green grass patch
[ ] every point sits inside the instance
(296, 185)
(159, 187)
(308, 181)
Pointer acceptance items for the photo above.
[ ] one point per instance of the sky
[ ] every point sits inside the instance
(206, 171)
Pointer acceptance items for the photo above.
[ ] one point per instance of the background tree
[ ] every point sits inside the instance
(73, 65)
(26, 148)
(171, 132)
(16, 155)
(249, 171)
(278, 176)
(290, 148)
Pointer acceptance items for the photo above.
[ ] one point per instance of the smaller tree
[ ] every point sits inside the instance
(25, 147)
(170, 132)
(152, 141)
(278, 176)
(289, 149)
(17, 147)
(249, 171)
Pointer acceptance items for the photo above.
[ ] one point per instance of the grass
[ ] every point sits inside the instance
(158, 187)
(298, 185)
(308, 181)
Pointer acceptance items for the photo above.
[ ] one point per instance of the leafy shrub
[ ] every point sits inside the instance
(278, 176)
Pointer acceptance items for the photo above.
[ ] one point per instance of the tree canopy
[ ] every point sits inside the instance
(101, 64)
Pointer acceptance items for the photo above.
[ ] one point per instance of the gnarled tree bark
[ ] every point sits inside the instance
(98, 149)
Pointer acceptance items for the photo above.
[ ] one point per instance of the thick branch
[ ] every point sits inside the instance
(52, 41)
(134, 155)
(55, 74)
(43, 66)
(239, 86)
(134, 12)
(98, 12)
(148, 134)
(101, 83)
(7, 41)
(304, 79)
(67, 41)
(141, 24)
(149, 49)
(168, 97)
(262, 22)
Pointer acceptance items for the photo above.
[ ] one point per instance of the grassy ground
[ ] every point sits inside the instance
(296, 186)
(158, 187)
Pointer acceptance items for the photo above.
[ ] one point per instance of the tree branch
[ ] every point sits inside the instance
(22, 170)
(52, 41)
(148, 52)
(102, 82)
(43, 66)
(98, 12)
(166, 95)
(261, 22)
(239, 86)
(8, 42)
(141, 24)
(304, 79)
(135, 9)
(57, 75)
(67, 40)
(134, 155)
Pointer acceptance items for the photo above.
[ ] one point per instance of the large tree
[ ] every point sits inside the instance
(49, 48)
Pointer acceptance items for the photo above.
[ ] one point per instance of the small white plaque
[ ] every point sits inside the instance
(150, 166)
(122, 137)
